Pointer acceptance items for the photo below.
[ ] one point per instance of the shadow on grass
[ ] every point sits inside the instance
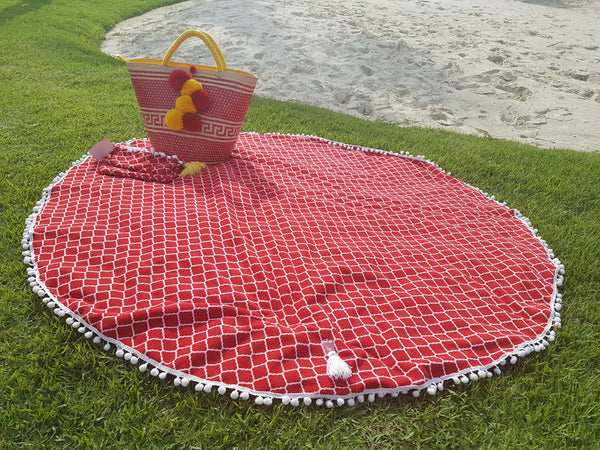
(20, 9)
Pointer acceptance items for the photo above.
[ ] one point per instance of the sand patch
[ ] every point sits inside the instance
(525, 70)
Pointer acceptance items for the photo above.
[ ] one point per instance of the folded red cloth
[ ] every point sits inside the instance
(136, 159)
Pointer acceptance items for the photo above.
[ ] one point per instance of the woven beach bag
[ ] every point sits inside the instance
(194, 112)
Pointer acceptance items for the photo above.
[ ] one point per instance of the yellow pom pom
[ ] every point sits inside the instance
(185, 104)
(190, 86)
(174, 120)
(192, 168)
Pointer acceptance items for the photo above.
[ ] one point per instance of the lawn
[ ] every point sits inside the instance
(59, 95)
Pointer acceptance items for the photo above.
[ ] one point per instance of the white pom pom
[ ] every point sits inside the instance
(294, 402)
(154, 372)
(106, 347)
(337, 368)
(234, 395)
(162, 375)
(285, 400)
(329, 404)
(340, 402)
(97, 340)
(431, 390)
(244, 396)
(207, 388)
(268, 401)
(319, 402)
(119, 353)
(177, 381)
(351, 402)
(143, 368)
(222, 390)
(199, 387)
(185, 382)
(259, 400)
(307, 401)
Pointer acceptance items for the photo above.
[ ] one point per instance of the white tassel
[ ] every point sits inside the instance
(337, 368)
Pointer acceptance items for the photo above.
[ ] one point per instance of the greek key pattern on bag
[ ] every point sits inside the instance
(154, 120)
(220, 129)
(213, 128)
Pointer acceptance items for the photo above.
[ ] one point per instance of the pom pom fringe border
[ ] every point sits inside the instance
(156, 369)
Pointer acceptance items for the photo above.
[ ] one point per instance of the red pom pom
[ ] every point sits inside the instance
(178, 78)
(192, 122)
(192, 69)
(201, 100)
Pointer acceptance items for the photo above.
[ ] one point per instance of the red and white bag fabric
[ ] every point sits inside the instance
(301, 270)
(194, 112)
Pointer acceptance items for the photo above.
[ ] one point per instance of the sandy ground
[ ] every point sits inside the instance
(525, 70)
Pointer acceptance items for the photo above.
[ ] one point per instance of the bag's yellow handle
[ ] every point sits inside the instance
(215, 51)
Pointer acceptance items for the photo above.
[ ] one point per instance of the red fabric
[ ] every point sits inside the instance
(236, 276)
(134, 160)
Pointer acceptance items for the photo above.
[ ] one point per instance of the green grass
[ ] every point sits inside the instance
(59, 96)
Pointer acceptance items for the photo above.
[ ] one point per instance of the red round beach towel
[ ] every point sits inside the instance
(300, 270)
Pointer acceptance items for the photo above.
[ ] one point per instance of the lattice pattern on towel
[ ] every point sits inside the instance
(245, 276)
(141, 162)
